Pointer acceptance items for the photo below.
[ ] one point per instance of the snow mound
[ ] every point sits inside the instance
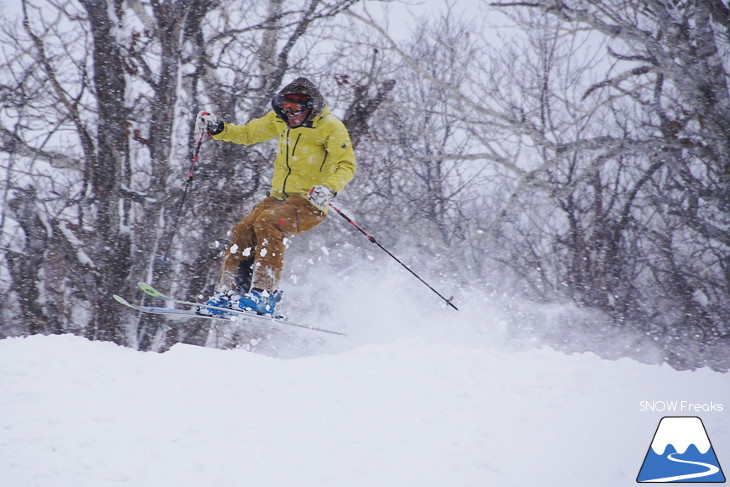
(414, 411)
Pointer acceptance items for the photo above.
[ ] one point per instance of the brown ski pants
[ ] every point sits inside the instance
(259, 239)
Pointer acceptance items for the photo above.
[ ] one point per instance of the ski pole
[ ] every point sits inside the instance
(372, 239)
(184, 196)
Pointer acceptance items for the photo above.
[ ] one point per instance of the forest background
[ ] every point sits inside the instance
(572, 151)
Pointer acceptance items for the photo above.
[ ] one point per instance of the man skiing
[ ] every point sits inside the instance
(314, 161)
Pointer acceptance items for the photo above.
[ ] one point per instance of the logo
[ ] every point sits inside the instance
(680, 452)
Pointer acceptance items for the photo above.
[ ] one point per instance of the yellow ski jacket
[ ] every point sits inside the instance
(318, 152)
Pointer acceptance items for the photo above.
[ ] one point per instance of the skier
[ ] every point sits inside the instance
(314, 161)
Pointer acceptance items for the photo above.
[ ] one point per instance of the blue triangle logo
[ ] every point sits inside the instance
(680, 452)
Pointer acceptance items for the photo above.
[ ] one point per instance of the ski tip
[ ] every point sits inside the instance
(149, 289)
(120, 299)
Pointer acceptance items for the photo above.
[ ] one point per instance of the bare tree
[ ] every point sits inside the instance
(602, 179)
(98, 100)
(645, 196)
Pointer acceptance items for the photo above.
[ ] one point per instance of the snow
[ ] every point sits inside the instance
(425, 409)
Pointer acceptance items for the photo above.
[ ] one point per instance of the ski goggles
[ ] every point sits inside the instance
(292, 108)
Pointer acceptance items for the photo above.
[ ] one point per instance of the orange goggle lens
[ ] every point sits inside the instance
(292, 108)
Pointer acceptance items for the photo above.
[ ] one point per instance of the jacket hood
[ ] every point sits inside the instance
(300, 86)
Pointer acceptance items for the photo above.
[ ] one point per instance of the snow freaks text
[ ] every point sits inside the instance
(680, 407)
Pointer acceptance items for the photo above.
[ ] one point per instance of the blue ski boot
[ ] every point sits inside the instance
(259, 301)
(221, 300)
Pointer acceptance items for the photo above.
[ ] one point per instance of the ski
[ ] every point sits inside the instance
(236, 316)
(170, 312)
(152, 292)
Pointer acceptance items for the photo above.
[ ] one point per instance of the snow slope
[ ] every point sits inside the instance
(410, 410)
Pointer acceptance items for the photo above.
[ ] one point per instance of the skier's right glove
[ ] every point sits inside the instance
(208, 123)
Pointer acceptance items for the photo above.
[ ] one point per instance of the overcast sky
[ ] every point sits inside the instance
(401, 12)
(403, 15)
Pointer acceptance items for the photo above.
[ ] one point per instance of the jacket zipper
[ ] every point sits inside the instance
(288, 167)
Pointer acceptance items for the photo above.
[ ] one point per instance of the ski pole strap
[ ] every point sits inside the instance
(448, 301)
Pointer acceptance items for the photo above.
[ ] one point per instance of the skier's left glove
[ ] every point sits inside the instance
(320, 196)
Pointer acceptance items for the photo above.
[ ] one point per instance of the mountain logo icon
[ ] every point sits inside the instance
(680, 452)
